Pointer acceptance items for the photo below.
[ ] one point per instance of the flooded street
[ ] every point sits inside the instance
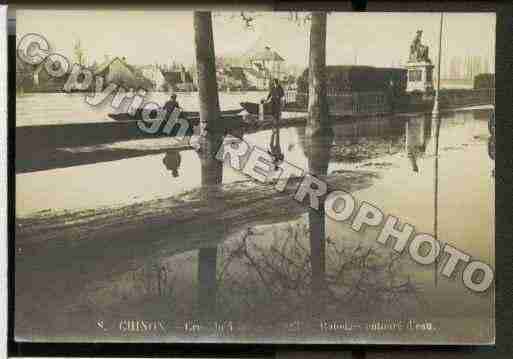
(253, 278)
(126, 181)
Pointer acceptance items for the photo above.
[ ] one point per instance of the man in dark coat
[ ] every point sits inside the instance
(275, 96)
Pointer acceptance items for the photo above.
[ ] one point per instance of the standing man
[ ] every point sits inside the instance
(275, 96)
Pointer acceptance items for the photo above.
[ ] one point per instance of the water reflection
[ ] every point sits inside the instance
(207, 282)
(418, 134)
(377, 276)
(298, 270)
(211, 179)
(275, 147)
(318, 150)
(360, 140)
(355, 142)
(172, 161)
(317, 147)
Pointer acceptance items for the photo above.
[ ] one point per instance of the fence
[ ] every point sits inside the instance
(290, 97)
(455, 98)
(348, 103)
(381, 102)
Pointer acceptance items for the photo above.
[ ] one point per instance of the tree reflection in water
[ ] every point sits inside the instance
(302, 274)
(294, 273)
(262, 281)
(211, 178)
(318, 147)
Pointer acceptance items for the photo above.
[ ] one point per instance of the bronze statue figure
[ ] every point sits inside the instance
(419, 52)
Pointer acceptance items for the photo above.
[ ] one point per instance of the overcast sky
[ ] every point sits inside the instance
(378, 39)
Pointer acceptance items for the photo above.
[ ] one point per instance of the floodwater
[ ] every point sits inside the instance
(126, 181)
(34, 109)
(255, 283)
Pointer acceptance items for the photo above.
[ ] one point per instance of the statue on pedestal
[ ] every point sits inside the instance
(419, 52)
(420, 69)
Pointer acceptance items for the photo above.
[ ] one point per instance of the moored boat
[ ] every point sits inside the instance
(253, 108)
(189, 115)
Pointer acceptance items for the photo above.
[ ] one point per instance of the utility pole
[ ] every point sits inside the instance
(492, 65)
(436, 105)
(436, 122)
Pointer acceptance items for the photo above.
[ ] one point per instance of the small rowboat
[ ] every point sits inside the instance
(189, 115)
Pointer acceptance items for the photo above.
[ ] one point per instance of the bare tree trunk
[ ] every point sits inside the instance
(211, 138)
(207, 283)
(211, 135)
(317, 102)
(317, 143)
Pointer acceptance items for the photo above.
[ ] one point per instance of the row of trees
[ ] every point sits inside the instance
(206, 66)
(211, 128)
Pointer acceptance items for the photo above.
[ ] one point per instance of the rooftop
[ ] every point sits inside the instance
(265, 55)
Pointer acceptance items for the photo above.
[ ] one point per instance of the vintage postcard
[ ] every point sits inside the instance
(254, 177)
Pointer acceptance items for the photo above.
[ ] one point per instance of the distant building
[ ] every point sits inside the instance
(43, 82)
(232, 78)
(238, 77)
(154, 74)
(267, 61)
(24, 76)
(119, 72)
(253, 70)
(36, 78)
(178, 80)
(258, 80)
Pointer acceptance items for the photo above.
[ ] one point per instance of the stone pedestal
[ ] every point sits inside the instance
(420, 77)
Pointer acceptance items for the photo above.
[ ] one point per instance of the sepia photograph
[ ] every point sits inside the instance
(263, 177)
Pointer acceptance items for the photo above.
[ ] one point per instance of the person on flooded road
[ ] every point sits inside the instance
(170, 105)
(172, 161)
(275, 97)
